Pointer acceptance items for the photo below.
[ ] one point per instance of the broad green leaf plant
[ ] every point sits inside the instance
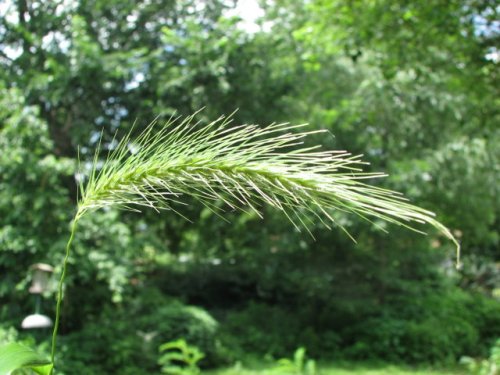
(180, 358)
(245, 167)
(15, 356)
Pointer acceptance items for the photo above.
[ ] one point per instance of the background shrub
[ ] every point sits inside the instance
(126, 338)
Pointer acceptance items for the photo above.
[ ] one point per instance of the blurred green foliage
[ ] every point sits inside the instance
(127, 337)
(408, 84)
(180, 358)
(298, 365)
(487, 366)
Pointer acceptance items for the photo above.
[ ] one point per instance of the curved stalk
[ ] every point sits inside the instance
(60, 290)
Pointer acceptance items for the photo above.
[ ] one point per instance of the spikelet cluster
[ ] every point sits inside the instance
(246, 167)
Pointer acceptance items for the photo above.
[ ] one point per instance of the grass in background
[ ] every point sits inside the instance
(347, 369)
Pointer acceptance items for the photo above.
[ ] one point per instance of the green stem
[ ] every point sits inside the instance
(60, 290)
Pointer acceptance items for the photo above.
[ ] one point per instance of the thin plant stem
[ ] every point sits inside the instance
(60, 290)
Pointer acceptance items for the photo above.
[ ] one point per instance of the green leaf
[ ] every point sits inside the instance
(14, 356)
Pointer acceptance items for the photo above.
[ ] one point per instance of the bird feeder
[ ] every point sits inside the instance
(40, 280)
(39, 285)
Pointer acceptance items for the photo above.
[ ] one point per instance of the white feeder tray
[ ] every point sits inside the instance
(36, 321)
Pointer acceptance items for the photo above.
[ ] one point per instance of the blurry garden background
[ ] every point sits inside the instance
(412, 85)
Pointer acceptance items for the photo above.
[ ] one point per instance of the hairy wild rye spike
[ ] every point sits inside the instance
(245, 167)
